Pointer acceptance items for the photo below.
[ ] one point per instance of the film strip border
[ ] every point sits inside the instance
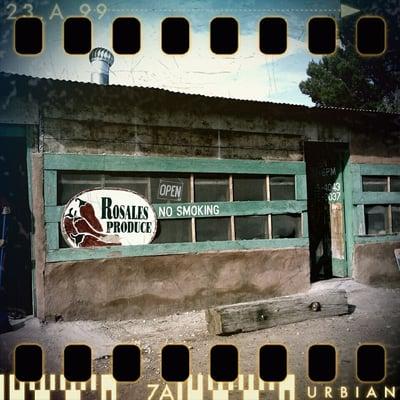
(224, 362)
(370, 35)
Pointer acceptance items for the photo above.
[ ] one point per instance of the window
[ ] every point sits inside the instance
(187, 221)
(395, 183)
(249, 188)
(157, 188)
(251, 227)
(396, 219)
(376, 220)
(211, 188)
(173, 231)
(381, 219)
(213, 229)
(375, 183)
(282, 187)
(286, 226)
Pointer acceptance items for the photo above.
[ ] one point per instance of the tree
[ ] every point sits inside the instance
(347, 79)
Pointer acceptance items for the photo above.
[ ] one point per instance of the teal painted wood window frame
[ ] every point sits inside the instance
(361, 199)
(53, 163)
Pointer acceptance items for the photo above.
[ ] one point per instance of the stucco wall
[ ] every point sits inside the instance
(374, 263)
(151, 286)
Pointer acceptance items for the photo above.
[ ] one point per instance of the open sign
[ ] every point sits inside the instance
(170, 190)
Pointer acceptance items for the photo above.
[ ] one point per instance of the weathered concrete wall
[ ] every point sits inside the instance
(150, 286)
(374, 263)
(376, 145)
(96, 137)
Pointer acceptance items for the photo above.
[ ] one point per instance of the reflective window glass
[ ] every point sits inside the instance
(374, 183)
(211, 188)
(251, 227)
(213, 229)
(376, 220)
(249, 188)
(282, 187)
(173, 231)
(396, 218)
(286, 226)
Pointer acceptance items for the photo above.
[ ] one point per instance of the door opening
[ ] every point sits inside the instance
(15, 224)
(324, 166)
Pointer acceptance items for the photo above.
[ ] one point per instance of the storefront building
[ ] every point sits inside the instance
(253, 199)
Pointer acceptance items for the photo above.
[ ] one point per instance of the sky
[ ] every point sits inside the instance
(247, 74)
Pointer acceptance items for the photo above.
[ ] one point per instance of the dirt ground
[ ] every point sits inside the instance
(375, 319)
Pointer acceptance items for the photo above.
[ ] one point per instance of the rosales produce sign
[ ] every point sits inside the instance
(108, 217)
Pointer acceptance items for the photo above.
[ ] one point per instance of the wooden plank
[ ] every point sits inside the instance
(171, 248)
(251, 316)
(304, 225)
(376, 197)
(379, 169)
(226, 209)
(377, 238)
(50, 188)
(96, 162)
(52, 236)
(53, 213)
(359, 220)
(349, 215)
(301, 187)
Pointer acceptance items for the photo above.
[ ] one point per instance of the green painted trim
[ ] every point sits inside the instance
(339, 267)
(379, 169)
(52, 236)
(14, 131)
(376, 198)
(301, 187)
(356, 178)
(377, 239)
(120, 163)
(53, 214)
(359, 228)
(348, 184)
(171, 248)
(50, 188)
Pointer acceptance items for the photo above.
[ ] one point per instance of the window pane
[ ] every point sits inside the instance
(374, 183)
(71, 183)
(213, 229)
(282, 187)
(251, 227)
(210, 188)
(168, 188)
(376, 220)
(173, 231)
(249, 188)
(286, 226)
(396, 218)
(138, 184)
(395, 183)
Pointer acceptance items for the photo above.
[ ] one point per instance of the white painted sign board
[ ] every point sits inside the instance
(108, 217)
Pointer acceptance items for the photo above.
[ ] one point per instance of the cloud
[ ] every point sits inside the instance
(247, 74)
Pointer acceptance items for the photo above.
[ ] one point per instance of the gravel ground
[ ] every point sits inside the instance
(375, 319)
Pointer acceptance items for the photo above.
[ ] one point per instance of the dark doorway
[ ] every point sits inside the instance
(324, 165)
(16, 277)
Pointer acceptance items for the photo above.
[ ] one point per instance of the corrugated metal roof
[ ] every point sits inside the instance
(291, 105)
